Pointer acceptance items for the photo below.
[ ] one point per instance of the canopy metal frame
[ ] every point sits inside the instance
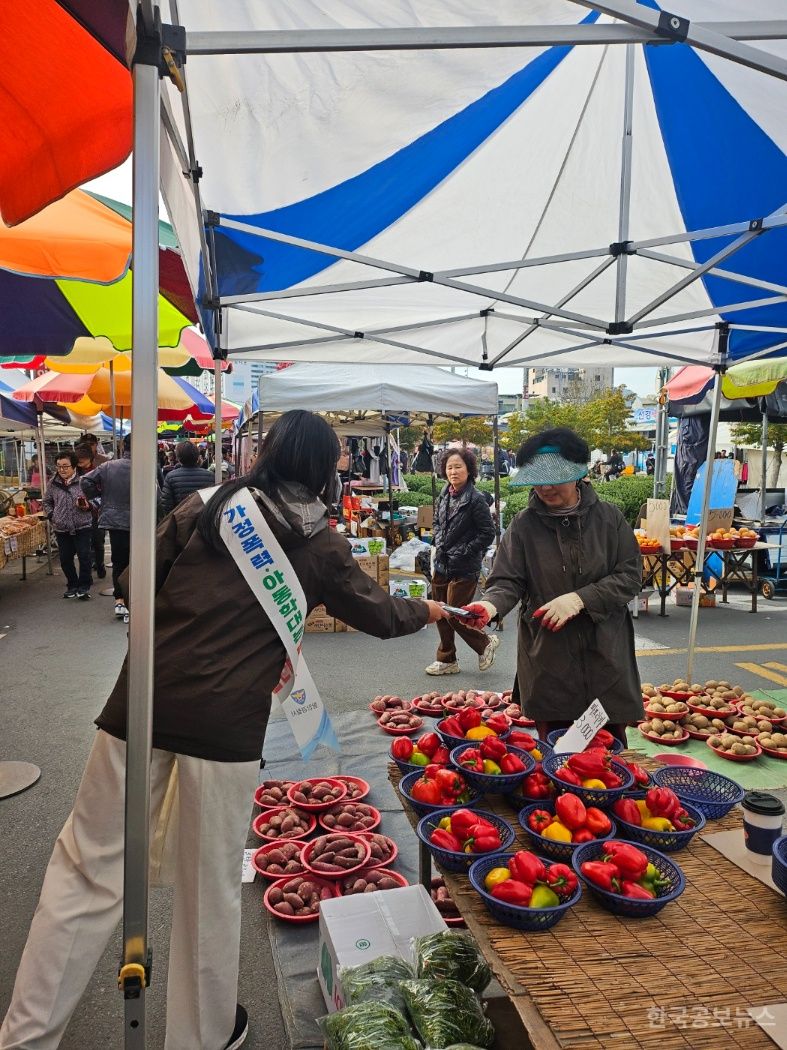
(637, 25)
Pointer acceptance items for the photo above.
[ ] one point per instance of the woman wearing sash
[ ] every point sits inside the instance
(218, 657)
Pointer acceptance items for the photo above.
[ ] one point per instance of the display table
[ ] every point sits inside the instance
(682, 979)
(665, 572)
(21, 538)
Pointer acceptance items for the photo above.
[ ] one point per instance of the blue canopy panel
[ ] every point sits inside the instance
(17, 411)
(352, 213)
(726, 169)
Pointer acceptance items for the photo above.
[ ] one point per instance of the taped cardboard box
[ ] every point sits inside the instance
(364, 926)
(683, 598)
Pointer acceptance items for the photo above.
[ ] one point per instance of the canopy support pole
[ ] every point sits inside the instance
(389, 486)
(40, 442)
(764, 475)
(217, 420)
(699, 564)
(114, 408)
(662, 437)
(625, 187)
(135, 968)
(496, 453)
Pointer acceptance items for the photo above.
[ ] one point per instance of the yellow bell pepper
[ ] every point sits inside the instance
(495, 877)
(491, 768)
(479, 732)
(644, 812)
(658, 824)
(445, 824)
(557, 832)
(535, 754)
(594, 784)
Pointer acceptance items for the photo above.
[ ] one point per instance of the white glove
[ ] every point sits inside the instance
(560, 610)
(482, 612)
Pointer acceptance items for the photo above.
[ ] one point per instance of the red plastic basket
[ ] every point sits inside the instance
(267, 849)
(712, 712)
(264, 786)
(298, 918)
(357, 787)
(720, 545)
(746, 542)
(663, 740)
(422, 707)
(675, 694)
(400, 880)
(673, 716)
(317, 807)
(375, 813)
(734, 758)
(263, 818)
(393, 854)
(402, 730)
(308, 849)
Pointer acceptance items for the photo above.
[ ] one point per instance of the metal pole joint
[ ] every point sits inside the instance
(134, 976)
(161, 45)
(620, 328)
(672, 26)
(621, 248)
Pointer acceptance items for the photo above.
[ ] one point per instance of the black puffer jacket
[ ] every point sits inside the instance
(463, 530)
(181, 482)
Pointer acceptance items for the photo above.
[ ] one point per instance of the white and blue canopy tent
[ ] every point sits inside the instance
(451, 182)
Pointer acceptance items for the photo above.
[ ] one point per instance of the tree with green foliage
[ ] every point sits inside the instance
(540, 414)
(751, 434)
(603, 421)
(470, 430)
(409, 437)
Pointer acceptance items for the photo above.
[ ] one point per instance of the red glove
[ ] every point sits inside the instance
(482, 613)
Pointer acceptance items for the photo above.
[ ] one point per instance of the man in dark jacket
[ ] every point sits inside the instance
(111, 483)
(184, 479)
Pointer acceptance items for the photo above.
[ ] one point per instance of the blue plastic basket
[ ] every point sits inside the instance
(630, 907)
(779, 864)
(488, 783)
(423, 808)
(590, 796)
(616, 747)
(666, 841)
(562, 851)
(452, 860)
(711, 793)
(405, 767)
(454, 741)
(531, 919)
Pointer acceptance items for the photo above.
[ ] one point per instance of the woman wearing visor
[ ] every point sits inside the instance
(574, 564)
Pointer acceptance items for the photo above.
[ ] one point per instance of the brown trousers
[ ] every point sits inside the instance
(458, 593)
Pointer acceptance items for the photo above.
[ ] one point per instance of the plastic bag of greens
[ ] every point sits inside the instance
(368, 1026)
(446, 1012)
(453, 955)
(376, 980)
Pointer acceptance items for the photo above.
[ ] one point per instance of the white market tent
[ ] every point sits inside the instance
(451, 181)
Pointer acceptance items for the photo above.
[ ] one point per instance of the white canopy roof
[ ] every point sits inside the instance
(580, 198)
(376, 388)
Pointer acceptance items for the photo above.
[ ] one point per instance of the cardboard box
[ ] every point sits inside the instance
(320, 624)
(683, 598)
(367, 565)
(408, 587)
(425, 518)
(364, 926)
(383, 570)
(367, 547)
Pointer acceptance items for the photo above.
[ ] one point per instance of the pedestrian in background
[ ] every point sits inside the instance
(97, 456)
(69, 511)
(86, 463)
(186, 478)
(111, 483)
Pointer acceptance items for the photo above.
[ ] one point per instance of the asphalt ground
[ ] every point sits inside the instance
(59, 659)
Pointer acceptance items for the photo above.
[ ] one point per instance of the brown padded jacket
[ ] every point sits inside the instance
(217, 655)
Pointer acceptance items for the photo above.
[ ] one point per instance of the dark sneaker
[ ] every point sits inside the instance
(70, 593)
(83, 595)
(241, 1029)
(101, 572)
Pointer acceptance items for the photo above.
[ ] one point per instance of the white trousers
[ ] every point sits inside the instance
(82, 900)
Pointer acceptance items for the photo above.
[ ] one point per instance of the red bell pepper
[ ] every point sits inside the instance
(472, 759)
(523, 740)
(570, 811)
(602, 874)
(562, 879)
(641, 775)
(597, 821)
(582, 835)
(662, 802)
(537, 785)
(527, 867)
(482, 839)
(609, 778)
(568, 776)
(445, 840)
(492, 747)
(449, 782)
(681, 820)
(539, 819)
(429, 743)
(630, 861)
(425, 790)
(468, 718)
(462, 820)
(513, 892)
(590, 764)
(451, 727)
(498, 723)
(441, 756)
(431, 771)
(637, 891)
(627, 809)
(402, 748)
(603, 738)
(511, 764)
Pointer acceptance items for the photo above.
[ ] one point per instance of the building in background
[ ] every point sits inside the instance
(509, 403)
(238, 385)
(561, 384)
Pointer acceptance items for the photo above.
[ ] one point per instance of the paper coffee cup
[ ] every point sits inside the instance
(762, 823)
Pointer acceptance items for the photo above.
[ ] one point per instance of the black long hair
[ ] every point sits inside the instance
(570, 445)
(299, 447)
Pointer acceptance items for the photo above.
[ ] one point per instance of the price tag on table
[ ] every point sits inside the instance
(248, 874)
(579, 735)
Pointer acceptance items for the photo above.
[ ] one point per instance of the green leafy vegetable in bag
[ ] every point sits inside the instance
(377, 980)
(446, 1012)
(453, 955)
(368, 1026)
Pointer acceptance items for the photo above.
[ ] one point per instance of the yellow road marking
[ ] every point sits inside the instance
(776, 667)
(760, 647)
(763, 672)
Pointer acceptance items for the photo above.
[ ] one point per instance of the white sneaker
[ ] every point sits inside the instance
(120, 610)
(487, 657)
(125, 617)
(440, 667)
